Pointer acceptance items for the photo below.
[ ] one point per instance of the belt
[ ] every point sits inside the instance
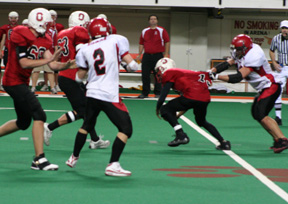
(153, 53)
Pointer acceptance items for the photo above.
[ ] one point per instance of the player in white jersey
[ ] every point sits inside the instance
(255, 69)
(101, 59)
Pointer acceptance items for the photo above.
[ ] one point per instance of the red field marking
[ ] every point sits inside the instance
(276, 175)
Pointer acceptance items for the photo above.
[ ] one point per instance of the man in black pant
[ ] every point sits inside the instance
(155, 42)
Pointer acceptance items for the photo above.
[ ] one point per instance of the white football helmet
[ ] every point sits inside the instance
(164, 64)
(25, 22)
(13, 17)
(13, 14)
(78, 18)
(53, 12)
(102, 16)
(38, 19)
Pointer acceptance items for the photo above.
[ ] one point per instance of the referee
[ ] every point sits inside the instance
(280, 43)
(154, 40)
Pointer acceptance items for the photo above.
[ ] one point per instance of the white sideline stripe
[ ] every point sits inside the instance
(261, 177)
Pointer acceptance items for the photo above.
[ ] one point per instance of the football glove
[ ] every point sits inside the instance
(213, 75)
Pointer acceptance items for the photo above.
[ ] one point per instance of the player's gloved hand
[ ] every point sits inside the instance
(213, 75)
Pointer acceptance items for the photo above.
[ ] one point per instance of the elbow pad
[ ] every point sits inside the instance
(132, 66)
(235, 78)
(21, 52)
(222, 66)
(77, 79)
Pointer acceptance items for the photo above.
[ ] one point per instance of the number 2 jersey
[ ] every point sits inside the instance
(68, 39)
(102, 57)
(36, 46)
(192, 84)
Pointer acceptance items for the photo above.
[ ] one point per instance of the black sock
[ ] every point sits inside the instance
(79, 143)
(93, 135)
(212, 129)
(117, 150)
(54, 125)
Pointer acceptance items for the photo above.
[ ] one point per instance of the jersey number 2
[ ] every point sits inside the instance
(99, 59)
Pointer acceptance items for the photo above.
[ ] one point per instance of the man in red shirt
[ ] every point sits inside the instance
(193, 86)
(71, 40)
(30, 47)
(155, 41)
(13, 17)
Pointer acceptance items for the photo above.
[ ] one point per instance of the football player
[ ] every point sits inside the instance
(71, 40)
(30, 47)
(195, 95)
(255, 69)
(13, 17)
(100, 59)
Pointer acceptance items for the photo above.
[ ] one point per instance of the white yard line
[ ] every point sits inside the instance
(261, 177)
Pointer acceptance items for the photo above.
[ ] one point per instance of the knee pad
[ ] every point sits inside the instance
(23, 124)
(200, 123)
(127, 130)
(257, 116)
(71, 116)
(39, 115)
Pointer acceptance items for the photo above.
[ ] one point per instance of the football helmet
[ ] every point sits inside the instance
(78, 18)
(38, 19)
(162, 65)
(102, 16)
(99, 27)
(53, 12)
(13, 17)
(25, 22)
(240, 45)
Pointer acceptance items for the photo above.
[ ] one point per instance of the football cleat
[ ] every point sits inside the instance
(41, 163)
(47, 134)
(72, 161)
(179, 140)
(281, 145)
(224, 145)
(114, 169)
(100, 144)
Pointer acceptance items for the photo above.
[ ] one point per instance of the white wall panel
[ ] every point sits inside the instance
(269, 4)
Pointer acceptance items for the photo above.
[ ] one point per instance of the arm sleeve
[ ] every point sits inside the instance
(164, 93)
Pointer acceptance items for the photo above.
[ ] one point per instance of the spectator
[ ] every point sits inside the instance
(73, 38)
(255, 69)
(195, 95)
(280, 43)
(101, 58)
(13, 18)
(56, 27)
(155, 41)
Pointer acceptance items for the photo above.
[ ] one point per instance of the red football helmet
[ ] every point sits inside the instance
(99, 27)
(240, 45)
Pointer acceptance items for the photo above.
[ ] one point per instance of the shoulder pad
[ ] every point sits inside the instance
(22, 34)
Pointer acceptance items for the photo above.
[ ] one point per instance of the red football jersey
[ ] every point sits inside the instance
(59, 27)
(7, 29)
(22, 36)
(52, 32)
(192, 84)
(69, 39)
